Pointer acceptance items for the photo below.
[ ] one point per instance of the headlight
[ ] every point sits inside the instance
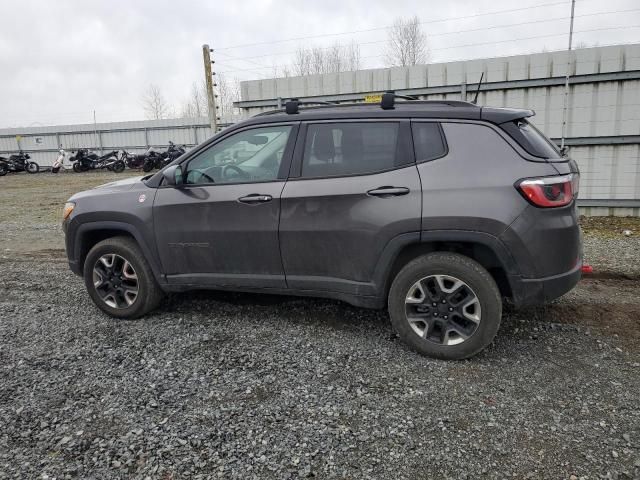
(68, 208)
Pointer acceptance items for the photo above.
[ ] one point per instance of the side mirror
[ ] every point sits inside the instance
(173, 175)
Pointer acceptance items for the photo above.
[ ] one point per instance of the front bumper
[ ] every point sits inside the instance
(74, 264)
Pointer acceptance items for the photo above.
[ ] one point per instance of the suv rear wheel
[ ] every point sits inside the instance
(445, 305)
(119, 279)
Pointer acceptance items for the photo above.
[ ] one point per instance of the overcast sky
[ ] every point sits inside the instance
(60, 60)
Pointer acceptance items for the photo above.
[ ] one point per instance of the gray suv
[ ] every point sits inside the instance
(438, 210)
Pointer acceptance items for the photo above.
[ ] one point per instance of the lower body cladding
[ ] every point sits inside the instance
(521, 267)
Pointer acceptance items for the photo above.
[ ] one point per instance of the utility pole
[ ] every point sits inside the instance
(211, 98)
(566, 80)
(95, 132)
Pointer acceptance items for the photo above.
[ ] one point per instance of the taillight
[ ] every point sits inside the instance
(549, 192)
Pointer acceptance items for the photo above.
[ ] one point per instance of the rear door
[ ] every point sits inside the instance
(353, 188)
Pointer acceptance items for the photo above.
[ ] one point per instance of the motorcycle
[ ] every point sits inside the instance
(84, 161)
(174, 152)
(18, 163)
(162, 159)
(135, 160)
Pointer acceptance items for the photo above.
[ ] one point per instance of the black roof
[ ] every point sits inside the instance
(452, 109)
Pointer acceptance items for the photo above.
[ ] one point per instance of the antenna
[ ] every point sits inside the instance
(475, 99)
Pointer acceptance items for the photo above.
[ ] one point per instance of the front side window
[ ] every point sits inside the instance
(252, 155)
(335, 149)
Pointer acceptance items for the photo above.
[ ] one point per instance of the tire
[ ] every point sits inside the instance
(147, 166)
(461, 319)
(3, 170)
(76, 167)
(32, 167)
(121, 305)
(118, 167)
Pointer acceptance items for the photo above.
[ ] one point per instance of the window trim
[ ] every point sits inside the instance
(442, 135)
(402, 149)
(284, 164)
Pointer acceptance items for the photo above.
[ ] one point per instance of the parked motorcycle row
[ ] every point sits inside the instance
(83, 160)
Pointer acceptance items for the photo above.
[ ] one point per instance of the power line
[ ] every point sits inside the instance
(475, 44)
(449, 19)
(531, 22)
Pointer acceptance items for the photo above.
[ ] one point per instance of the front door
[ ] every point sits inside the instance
(220, 228)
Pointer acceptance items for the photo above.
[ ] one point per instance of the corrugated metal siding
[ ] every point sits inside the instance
(595, 109)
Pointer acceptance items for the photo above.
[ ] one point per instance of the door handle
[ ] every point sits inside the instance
(385, 192)
(255, 198)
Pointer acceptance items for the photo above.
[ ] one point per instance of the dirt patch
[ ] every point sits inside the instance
(610, 226)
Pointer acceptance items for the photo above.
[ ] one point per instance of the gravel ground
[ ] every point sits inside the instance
(248, 386)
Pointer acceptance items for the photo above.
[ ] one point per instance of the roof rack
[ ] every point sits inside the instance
(388, 102)
(389, 99)
(292, 106)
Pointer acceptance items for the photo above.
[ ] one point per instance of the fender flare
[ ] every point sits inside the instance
(84, 228)
(397, 244)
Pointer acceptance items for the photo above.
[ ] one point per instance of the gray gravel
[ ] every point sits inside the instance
(247, 386)
(615, 254)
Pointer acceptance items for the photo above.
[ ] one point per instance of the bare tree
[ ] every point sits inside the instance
(337, 58)
(228, 92)
(154, 104)
(302, 62)
(196, 103)
(406, 43)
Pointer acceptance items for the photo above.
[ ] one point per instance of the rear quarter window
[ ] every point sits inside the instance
(428, 141)
(531, 139)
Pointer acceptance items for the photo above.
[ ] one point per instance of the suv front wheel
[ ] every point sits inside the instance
(120, 280)
(445, 305)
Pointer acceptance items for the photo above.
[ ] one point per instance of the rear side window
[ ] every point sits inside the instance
(334, 149)
(428, 141)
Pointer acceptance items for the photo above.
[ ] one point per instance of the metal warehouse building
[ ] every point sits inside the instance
(603, 111)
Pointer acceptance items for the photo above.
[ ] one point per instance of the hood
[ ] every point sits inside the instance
(119, 185)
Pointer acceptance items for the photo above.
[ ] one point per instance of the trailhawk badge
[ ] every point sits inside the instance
(142, 198)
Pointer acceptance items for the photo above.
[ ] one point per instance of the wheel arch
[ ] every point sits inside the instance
(482, 247)
(90, 234)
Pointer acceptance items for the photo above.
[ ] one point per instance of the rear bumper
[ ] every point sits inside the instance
(535, 291)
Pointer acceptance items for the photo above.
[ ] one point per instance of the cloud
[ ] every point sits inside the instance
(61, 60)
